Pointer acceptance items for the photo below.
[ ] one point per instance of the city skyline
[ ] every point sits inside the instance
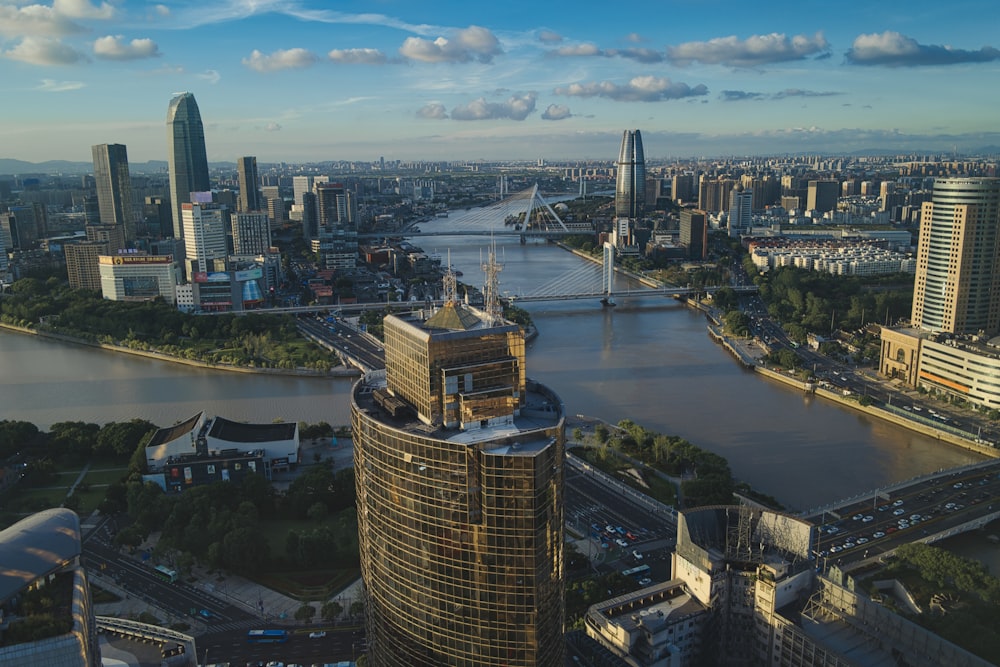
(298, 82)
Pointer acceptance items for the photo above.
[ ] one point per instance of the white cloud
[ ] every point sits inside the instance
(162, 10)
(280, 59)
(556, 112)
(638, 89)
(82, 9)
(571, 50)
(892, 49)
(34, 20)
(549, 37)
(634, 37)
(517, 107)
(750, 52)
(272, 127)
(433, 111)
(357, 56)
(472, 43)
(113, 47)
(44, 51)
(53, 86)
(210, 75)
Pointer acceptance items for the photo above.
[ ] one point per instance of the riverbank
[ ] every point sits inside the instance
(850, 401)
(340, 371)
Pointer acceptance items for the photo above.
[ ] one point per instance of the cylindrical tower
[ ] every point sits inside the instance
(461, 525)
(957, 286)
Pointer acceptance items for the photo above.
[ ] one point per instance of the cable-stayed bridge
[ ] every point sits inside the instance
(525, 214)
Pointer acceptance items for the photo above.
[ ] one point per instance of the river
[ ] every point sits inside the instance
(648, 359)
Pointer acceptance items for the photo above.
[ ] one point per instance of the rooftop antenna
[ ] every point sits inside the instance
(450, 284)
(491, 290)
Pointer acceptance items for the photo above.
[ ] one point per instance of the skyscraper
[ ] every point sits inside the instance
(250, 196)
(957, 286)
(740, 210)
(251, 233)
(114, 187)
(630, 189)
(822, 196)
(458, 461)
(187, 160)
(204, 238)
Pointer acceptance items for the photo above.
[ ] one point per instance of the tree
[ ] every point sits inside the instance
(331, 610)
(305, 613)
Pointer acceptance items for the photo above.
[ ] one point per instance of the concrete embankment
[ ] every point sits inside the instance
(297, 372)
(851, 401)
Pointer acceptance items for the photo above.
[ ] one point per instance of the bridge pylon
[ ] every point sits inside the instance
(608, 274)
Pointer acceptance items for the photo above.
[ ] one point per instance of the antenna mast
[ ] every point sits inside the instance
(491, 290)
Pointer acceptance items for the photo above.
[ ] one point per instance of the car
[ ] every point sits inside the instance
(858, 517)
(832, 529)
(903, 525)
(645, 581)
(620, 542)
(849, 545)
(862, 540)
(915, 517)
(956, 485)
(882, 508)
(319, 634)
(899, 511)
(868, 518)
(636, 554)
(891, 529)
(836, 549)
(897, 503)
(204, 613)
(877, 534)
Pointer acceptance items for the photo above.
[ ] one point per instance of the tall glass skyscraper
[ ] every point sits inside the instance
(957, 286)
(458, 461)
(114, 187)
(250, 196)
(630, 189)
(188, 163)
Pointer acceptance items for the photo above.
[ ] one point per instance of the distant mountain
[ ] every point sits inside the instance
(52, 167)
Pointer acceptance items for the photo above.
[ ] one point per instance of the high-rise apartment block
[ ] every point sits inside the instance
(114, 187)
(694, 232)
(187, 160)
(459, 471)
(250, 195)
(821, 196)
(630, 187)
(82, 264)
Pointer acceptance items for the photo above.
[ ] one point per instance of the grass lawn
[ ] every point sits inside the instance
(105, 475)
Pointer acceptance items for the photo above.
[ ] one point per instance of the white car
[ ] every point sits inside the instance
(878, 534)
(868, 518)
(317, 635)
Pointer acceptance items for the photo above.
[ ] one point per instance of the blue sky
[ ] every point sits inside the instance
(448, 80)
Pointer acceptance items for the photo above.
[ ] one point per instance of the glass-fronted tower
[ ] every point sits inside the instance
(459, 466)
(187, 160)
(250, 196)
(957, 286)
(630, 188)
(114, 187)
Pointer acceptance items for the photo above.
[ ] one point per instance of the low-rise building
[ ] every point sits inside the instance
(137, 277)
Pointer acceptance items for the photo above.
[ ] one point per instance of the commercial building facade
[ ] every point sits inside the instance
(139, 277)
(459, 469)
(186, 157)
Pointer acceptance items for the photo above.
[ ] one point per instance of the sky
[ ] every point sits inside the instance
(314, 80)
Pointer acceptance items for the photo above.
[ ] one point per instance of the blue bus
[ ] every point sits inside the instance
(638, 570)
(267, 636)
(165, 573)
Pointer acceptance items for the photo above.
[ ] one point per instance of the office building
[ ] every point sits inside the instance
(250, 195)
(157, 217)
(694, 232)
(459, 471)
(301, 185)
(187, 160)
(630, 186)
(204, 234)
(114, 187)
(48, 616)
(136, 277)
(957, 286)
(310, 217)
(740, 209)
(251, 233)
(821, 196)
(335, 206)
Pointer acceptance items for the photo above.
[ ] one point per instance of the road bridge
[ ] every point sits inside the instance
(855, 532)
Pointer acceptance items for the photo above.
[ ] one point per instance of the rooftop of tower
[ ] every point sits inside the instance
(542, 410)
